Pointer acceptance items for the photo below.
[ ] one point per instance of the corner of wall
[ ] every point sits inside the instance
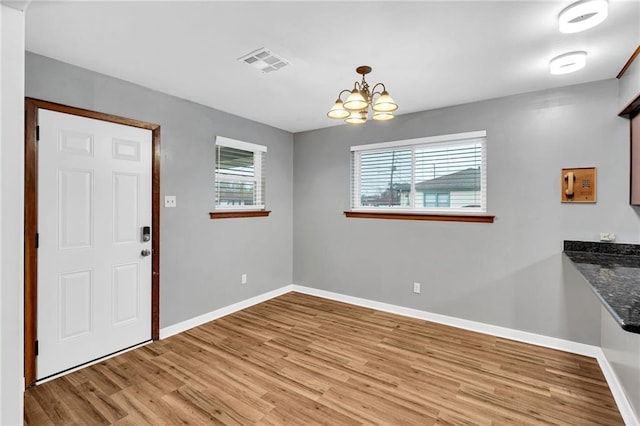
(12, 35)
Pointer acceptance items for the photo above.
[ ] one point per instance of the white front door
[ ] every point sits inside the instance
(94, 267)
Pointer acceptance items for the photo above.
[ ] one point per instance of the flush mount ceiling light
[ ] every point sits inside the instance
(583, 15)
(355, 108)
(568, 62)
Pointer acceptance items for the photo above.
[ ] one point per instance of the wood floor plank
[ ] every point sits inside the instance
(51, 403)
(36, 415)
(297, 410)
(208, 407)
(373, 410)
(139, 407)
(102, 402)
(303, 360)
(83, 410)
(157, 410)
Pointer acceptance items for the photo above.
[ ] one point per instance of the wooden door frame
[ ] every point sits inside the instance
(31, 221)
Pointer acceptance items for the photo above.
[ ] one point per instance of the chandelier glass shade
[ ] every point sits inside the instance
(355, 108)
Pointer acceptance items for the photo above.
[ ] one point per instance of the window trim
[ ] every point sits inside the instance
(234, 143)
(421, 141)
(236, 214)
(436, 213)
(440, 217)
(255, 210)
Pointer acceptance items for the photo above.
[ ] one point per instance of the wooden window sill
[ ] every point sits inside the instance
(237, 214)
(449, 217)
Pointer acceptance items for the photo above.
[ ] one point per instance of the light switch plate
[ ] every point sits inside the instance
(169, 200)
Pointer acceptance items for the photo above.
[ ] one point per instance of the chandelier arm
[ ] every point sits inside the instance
(344, 91)
(373, 91)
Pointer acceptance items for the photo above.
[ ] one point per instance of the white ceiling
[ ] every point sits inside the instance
(429, 54)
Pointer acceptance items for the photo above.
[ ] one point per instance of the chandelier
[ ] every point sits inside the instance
(355, 108)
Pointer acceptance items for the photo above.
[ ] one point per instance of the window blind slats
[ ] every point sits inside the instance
(233, 161)
(384, 176)
(239, 177)
(449, 175)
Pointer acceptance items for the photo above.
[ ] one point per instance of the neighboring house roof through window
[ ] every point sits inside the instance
(464, 180)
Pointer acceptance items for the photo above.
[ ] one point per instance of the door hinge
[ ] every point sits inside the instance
(37, 133)
(37, 348)
(37, 240)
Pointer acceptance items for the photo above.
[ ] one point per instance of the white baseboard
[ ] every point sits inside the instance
(218, 313)
(626, 410)
(493, 330)
(596, 352)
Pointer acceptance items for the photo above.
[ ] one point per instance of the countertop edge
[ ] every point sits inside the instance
(612, 271)
(602, 300)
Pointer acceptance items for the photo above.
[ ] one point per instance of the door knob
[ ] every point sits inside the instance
(145, 252)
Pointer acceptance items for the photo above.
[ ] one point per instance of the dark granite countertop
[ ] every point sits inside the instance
(613, 271)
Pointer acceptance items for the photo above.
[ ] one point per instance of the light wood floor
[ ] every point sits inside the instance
(302, 360)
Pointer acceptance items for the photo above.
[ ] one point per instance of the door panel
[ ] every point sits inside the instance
(126, 150)
(125, 208)
(75, 304)
(75, 201)
(76, 143)
(126, 293)
(94, 196)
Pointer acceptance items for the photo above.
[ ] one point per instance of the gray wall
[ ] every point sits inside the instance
(11, 216)
(622, 349)
(509, 273)
(201, 259)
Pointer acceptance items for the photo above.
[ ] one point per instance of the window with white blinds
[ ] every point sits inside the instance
(435, 174)
(239, 175)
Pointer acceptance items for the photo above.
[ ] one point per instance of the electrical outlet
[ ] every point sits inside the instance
(169, 200)
(416, 288)
(243, 279)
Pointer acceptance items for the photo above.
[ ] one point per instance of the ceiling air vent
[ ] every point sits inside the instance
(264, 60)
